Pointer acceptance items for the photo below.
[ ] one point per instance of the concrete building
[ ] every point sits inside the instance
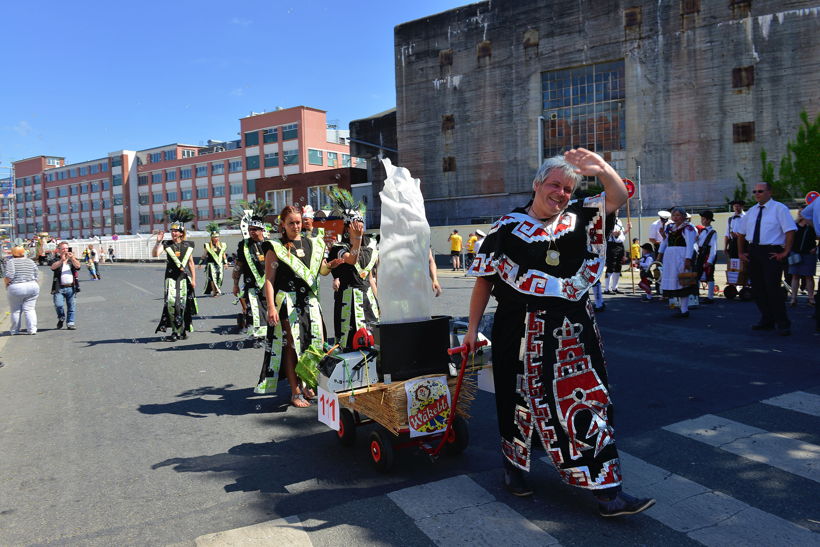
(128, 191)
(372, 139)
(689, 90)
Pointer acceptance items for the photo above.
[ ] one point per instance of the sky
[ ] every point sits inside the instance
(82, 79)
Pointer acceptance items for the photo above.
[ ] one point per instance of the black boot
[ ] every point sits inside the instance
(623, 504)
(514, 481)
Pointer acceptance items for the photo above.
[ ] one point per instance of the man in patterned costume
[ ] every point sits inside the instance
(180, 276)
(214, 261)
(539, 262)
(250, 266)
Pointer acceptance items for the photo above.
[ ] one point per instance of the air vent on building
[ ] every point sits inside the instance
(689, 7)
(632, 18)
(445, 57)
(743, 76)
(553, 115)
(448, 122)
(484, 49)
(743, 132)
(740, 8)
(448, 164)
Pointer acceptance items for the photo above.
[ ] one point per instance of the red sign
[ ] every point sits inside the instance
(630, 187)
(811, 196)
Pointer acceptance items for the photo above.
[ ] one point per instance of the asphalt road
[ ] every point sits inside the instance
(110, 436)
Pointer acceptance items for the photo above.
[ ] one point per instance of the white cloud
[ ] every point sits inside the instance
(241, 22)
(237, 91)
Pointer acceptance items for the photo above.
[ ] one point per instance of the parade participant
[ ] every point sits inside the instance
(432, 271)
(615, 253)
(676, 252)
(352, 260)
(657, 230)
(730, 239)
(455, 249)
(180, 276)
(802, 267)
(88, 257)
(214, 261)
(481, 236)
(250, 266)
(646, 260)
(292, 268)
(65, 285)
(812, 213)
(706, 245)
(769, 230)
(471, 239)
(307, 223)
(539, 262)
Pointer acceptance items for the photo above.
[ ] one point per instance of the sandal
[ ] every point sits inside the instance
(309, 394)
(299, 401)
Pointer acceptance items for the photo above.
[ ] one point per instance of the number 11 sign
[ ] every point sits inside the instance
(328, 408)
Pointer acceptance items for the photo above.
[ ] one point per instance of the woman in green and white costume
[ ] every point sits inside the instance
(353, 260)
(214, 260)
(180, 276)
(292, 268)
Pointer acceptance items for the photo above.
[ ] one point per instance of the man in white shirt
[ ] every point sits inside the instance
(614, 257)
(706, 245)
(656, 230)
(730, 239)
(765, 237)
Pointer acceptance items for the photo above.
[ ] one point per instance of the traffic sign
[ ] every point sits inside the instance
(630, 187)
(811, 196)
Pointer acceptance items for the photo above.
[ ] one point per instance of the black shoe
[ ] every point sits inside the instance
(608, 292)
(602, 308)
(616, 291)
(173, 338)
(708, 301)
(184, 336)
(624, 504)
(681, 315)
(59, 323)
(763, 326)
(786, 331)
(514, 481)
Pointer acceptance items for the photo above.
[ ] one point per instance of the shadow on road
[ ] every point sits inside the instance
(214, 401)
(145, 340)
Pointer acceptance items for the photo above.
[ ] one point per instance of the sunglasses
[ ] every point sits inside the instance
(254, 229)
(758, 191)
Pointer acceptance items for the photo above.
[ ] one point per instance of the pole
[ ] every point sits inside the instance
(640, 205)
(629, 243)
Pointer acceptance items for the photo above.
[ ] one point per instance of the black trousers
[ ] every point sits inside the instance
(766, 274)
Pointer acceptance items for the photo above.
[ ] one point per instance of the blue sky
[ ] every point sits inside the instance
(81, 79)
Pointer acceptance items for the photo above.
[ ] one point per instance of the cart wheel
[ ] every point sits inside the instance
(730, 292)
(745, 293)
(458, 438)
(381, 451)
(347, 428)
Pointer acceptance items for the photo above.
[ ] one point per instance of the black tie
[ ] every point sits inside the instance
(756, 236)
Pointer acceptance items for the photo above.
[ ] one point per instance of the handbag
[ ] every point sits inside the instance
(794, 258)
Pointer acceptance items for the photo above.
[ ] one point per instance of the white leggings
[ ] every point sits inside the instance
(22, 297)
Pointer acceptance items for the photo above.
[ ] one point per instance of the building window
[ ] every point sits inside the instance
(217, 168)
(202, 170)
(252, 162)
(95, 206)
(156, 177)
(234, 166)
(219, 212)
(118, 219)
(143, 199)
(272, 160)
(188, 153)
(145, 219)
(83, 171)
(185, 173)
(202, 213)
(51, 193)
(448, 164)
(743, 76)
(63, 191)
(142, 180)
(64, 207)
(290, 131)
(170, 196)
(270, 135)
(118, 199)
(95, 186)
(201, 193)
(318, 198)
(332, 158)
(116, 161)
(72, 172)
(315, 157)
(236, 189)
(95, 168)
(279, 198)
(584, 106)
(116, 180)
(171, 175)
(159, 218)
(689, 7)
(252, 138)
(445, 57)
(290, 157)
(219, 191)
(251, 186)
(186, 195)
(104, 166)
(155, 157)
(106, 185)
(170, 155)
(345, 160)
(743, 132)
(156, 197)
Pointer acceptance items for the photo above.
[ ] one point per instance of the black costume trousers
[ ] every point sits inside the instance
(765, 274)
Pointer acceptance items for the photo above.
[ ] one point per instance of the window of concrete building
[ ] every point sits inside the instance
(188, 153)
(270, 135)
(95, 206)
(186, 195)
(272, 160)
(584, 106)
(689, 7)
(83, 171)
(170, 196)
(143, 199)
(217, 168)
(315, 157)
(219, 191)
(142, 180)
(104, 166)
(332, 159)
(157, 197)
(201, 193)
(203, 213)
(202, 170)
(64, 207)
(84, 188)
(236, 189)
(290, 157)
(106, 203)
(250, 186)
(185, 173)
(145, 219)
(743, 132)
(51, 193)
(155, 157)
(171, 175)
(743, 76)
(63, 191)
(159, 217)
(94, 169)
(118, 219)
(345, 160)
(290, 131)
(252, 138)
(445, 57)
(117, 200)
(279, 198)
(632, 17)
(318, 197)
(116, 161)
(105, 185)
(448, 122)
(234, 166)
(116, 180)
(72, 172)
(448, 163)
(95, 186)
(156, 177)
(170, 155)
(252, 162)
(219, 212)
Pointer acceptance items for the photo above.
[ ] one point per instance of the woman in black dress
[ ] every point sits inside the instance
(180, 276)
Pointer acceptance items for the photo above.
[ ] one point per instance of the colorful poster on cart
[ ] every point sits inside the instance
(428, 405)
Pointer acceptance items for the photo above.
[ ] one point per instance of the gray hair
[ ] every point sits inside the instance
(555, 162)
(680, 210)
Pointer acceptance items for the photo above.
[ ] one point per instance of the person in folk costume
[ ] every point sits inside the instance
(250, 266)
(352, 261)
(293, 264)
(180, 276)
(676, 251)
(615, 252)
(539, 262)
(706, 245)
(307, 223)
(214, 260)
(88, 257)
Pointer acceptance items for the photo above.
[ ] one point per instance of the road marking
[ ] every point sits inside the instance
(792, 455)
(286, 531)
(799, 401)
(139, 288)
(457, 511)
(707, 516)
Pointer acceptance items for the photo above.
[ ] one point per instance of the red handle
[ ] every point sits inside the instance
(463, 349)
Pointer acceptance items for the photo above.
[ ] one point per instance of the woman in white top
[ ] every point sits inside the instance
(23, 289)
(676, 253)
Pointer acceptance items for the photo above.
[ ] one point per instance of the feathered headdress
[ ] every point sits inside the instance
(178, 216)
(212, 228)
(251, 214)
(345, 206)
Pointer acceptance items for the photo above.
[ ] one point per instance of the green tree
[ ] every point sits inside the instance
(800, 167)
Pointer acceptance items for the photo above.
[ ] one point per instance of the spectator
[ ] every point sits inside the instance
(730, 239)
(471, 239)
(803, 259)
(21, 282)
(455, 249)
(635, 252)
(65, 285)
(706, 252)
(111, 253)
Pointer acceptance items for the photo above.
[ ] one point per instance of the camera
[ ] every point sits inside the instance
(70, 250)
